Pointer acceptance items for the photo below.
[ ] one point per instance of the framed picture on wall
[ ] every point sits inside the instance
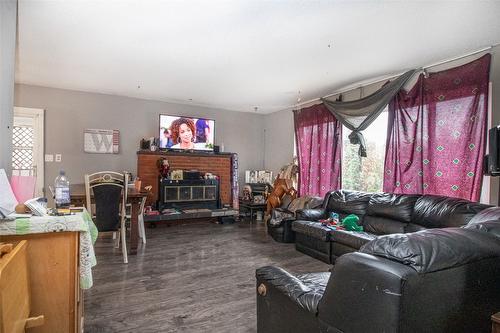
(100, 141)
(251, 176)
(258, 176)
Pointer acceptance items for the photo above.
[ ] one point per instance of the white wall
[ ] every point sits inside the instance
(8, 28)
(68, 113)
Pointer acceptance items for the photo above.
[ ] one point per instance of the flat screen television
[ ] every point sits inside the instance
(186, 133)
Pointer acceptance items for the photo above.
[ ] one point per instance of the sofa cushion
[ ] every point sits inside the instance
(492, 227)
(316, 282)
(286, 200)
(435, 249)
(433, 211)
(311, 214)
(382, 225)
(305, 202)
(412, 227)
(348, 202)
(312, 229)
(352, 239)
(397, 207)
(488, 214)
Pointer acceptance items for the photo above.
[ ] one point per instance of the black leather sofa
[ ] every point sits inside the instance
(434, 280)
(380, 214)
(282, 232)
(279, 227)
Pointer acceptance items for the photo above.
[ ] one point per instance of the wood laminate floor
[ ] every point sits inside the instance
(187, 278)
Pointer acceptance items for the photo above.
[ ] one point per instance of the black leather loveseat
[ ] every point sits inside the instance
(279, 227)
(434, 280)
(380, 214)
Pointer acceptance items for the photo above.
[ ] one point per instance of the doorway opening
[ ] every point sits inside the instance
(28, 146)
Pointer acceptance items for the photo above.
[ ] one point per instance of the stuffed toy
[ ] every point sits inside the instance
(350, 223)
(163, 167)
(247, 193)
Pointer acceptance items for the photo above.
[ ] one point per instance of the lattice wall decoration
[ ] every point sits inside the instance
(22, 150)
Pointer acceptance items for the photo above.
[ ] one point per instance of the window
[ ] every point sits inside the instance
(365, 173)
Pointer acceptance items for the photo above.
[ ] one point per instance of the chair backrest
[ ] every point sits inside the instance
(109, 189)
(143, 204)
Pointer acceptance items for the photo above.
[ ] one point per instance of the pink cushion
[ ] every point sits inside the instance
(23, 187)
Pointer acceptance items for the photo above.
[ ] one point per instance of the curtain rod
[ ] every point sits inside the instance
(338, 92)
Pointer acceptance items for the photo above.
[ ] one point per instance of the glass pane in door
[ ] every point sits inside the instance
(22, 151)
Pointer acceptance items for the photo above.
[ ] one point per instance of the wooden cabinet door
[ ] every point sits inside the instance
(53, 274)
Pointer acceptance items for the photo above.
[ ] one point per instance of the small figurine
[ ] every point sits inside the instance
(266, 192)
(247, 193)
(163, 167)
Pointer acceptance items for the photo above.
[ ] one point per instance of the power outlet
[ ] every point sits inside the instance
(58, 157)
(49, 158)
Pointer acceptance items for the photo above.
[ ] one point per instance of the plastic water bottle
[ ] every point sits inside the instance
(61, 186)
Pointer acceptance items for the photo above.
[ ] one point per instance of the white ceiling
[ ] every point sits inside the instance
(236, 55)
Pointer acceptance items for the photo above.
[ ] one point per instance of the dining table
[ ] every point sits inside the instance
(134, 198)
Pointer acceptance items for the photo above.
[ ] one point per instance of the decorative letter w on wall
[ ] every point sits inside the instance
(101, 141)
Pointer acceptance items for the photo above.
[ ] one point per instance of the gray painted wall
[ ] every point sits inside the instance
(279, 140)
(68, 113)
(8, 28)
(279, 125)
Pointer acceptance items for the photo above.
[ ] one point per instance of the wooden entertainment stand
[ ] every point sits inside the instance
(220, 164)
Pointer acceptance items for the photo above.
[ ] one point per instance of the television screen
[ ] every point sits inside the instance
(178, 132)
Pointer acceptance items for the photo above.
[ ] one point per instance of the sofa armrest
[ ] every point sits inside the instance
(364, 294)
(282, 281)
(311, 214)
(279, 216)
(281, 305)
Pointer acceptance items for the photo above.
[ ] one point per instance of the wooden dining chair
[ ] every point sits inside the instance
(109, 190)
(140, 219)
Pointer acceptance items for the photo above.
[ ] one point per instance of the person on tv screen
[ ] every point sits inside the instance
(202, 131)
(183, 133)
(166, 139)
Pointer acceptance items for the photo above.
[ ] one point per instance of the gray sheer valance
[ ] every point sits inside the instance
(359, 114)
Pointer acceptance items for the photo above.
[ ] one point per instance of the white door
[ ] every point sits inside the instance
(27, 145)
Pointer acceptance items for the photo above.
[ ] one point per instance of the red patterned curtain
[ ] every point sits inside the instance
(319, 147)
(437, 133)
